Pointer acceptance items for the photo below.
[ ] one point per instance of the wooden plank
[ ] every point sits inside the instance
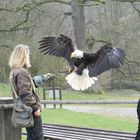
(89, 130)
(74, 137)
(63, 132)
(7, 131)
(89, 101)
(78, 133)
(85, 136)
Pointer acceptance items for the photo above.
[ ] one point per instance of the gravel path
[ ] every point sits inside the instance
(123, 112)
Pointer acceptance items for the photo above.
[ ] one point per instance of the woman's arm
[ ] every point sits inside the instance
(40, 80)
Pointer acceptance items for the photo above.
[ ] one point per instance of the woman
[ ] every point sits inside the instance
(138, 113)
(19, 63)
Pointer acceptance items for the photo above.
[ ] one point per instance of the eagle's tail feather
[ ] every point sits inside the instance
(80, 82)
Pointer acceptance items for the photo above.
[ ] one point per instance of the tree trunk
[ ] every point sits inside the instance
(78, 19)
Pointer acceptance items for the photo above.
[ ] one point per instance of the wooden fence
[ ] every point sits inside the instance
(89, 101)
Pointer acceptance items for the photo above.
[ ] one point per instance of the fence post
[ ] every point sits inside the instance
(7, 131)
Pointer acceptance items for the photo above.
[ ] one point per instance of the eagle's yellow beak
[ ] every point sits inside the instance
(73, 55)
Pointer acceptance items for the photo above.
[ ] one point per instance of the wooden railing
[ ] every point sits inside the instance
(63, 132)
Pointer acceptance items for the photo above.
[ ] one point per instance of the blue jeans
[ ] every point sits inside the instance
(35, 132)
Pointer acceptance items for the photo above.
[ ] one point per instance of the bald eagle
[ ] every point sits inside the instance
(85, 67)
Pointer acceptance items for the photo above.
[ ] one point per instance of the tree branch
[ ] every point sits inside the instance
(32, 6)
(14, 29)
(91, 41)
(90, 2)
(22, 22)
(134, 6)
(28, 7)
(68, 2)
(127, 0)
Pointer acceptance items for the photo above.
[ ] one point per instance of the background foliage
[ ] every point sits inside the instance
(27, 21)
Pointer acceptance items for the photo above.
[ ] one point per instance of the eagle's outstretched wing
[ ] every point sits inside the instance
(61, 46)
(106, 58)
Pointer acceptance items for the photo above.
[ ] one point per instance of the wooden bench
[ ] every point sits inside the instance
(63, 132)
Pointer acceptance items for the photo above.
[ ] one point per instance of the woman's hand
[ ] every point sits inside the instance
(37, 113)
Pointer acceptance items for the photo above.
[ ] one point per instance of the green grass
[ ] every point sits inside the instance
(110, 95)
(5, 90)
(66, 117)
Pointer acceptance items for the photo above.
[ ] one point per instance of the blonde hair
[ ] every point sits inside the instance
(20, 57)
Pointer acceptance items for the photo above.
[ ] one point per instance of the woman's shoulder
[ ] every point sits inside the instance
(19, 71)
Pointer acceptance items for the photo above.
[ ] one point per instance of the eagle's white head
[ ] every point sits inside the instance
(77, 54)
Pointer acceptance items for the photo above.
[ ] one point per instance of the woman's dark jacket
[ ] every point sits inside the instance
(25, 88)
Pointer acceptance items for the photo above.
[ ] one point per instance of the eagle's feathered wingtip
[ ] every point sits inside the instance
(42, 39)
(62, 35)
(120, 53)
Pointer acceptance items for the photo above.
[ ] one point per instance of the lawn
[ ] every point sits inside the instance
(66, 117)
(5, 91)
